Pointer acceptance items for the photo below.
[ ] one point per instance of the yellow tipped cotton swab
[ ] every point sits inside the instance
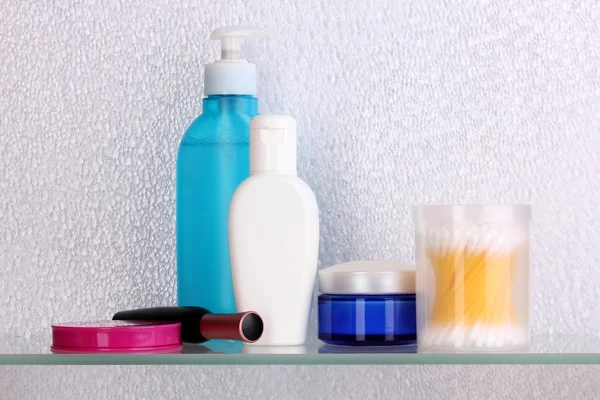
(477, 284)
(474, 275)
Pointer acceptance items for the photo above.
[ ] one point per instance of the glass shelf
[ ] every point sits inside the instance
(35, 350)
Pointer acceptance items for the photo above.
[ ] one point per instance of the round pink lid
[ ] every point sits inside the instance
(116, 337)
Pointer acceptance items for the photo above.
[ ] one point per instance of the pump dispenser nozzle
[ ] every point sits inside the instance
(232, 74)
(231, 37)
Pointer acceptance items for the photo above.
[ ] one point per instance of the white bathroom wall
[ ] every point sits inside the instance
(398, 103)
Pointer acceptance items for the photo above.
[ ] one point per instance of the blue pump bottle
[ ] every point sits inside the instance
(213, 159)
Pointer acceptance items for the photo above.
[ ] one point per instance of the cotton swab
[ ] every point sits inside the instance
(473, 266)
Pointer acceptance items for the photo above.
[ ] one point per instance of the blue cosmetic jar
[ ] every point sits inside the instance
(367, 303)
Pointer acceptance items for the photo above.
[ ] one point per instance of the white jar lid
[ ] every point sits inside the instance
(368, 277)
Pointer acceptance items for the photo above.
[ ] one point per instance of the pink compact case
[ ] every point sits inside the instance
(150, 337)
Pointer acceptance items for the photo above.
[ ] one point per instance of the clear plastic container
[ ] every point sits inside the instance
(473, 277)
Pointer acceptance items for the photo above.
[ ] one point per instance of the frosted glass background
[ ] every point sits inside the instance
(398, 103)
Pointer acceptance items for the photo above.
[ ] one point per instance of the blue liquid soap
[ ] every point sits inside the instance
(213, 160)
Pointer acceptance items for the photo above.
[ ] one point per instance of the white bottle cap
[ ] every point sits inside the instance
(231, 74)
(273, 144)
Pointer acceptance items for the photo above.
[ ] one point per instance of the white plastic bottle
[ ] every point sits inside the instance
(274, 235)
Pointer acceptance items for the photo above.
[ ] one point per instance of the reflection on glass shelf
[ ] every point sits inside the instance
(329, 349)
(249, 349)
(555, 349)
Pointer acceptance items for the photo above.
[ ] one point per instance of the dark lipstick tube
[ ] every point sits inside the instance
(199, 325)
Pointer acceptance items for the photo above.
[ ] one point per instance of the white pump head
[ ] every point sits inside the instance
(273, 144)
(231, 74)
